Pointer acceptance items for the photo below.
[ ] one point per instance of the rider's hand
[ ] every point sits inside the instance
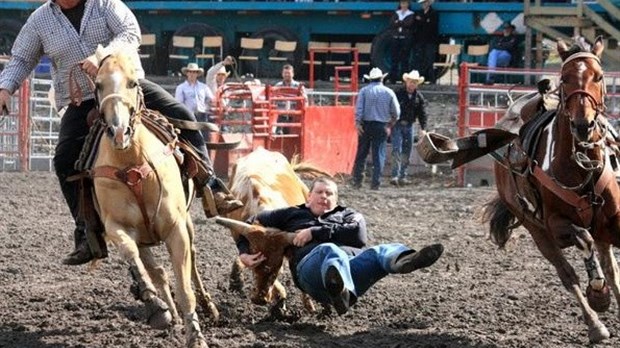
(252, 260)
(5, 98)
(302, 237)
(228, 60)
(90, 65)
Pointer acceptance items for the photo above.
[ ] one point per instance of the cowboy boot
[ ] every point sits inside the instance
(82, 253)
(217, 199)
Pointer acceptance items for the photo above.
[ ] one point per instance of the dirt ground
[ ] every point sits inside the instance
(474, 296)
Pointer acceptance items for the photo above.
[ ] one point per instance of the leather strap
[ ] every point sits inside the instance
(132, 177)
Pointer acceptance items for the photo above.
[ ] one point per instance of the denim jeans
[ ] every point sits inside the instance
(402, 142)
(359, 272)
(497, 58)
(373, 138)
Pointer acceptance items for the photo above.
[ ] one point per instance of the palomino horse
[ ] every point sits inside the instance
(566, 193)
(141, 200)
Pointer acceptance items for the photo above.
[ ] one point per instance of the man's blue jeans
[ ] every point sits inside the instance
(402, 142)
(359, 272)
(375, 138)
(497, 58)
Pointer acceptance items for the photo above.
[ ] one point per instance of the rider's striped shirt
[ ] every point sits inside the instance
(49, 32)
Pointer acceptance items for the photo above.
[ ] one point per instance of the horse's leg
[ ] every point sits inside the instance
(178, 244)
(204, 298)
(597, 332)
(597, 292)
(158, 313)
(610, 267)
(160, 279)
(308, 303)
(236, 276)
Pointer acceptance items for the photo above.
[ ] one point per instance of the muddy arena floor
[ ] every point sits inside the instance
(474, 296)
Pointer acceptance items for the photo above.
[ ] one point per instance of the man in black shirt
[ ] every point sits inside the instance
(331, 261)
(412, 108)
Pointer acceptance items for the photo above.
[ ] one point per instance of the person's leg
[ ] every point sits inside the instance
(157, 98)
(407, 135)
(372, 265)
(405, 56)
(429, 58)
(394, 59)
(363, 147)
(202, 117)
(378, 145)
(397, 143)
(503, 59)
(312, 268)
(492, 63)
(71, 137)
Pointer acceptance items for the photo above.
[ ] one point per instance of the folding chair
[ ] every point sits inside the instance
(212, 46)
(251, 50)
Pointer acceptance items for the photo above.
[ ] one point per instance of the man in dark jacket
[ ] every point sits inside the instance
(412, 108)
(331, 261)
(503, 50)
(425, 39)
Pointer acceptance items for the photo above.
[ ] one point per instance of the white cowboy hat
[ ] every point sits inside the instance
(414, 76)
(375, 74)
(192, 67)
(222, 70)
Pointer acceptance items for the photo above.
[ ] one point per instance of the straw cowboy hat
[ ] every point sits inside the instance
(414, 76)
(222, 70)
(375, 74)
(192, 67)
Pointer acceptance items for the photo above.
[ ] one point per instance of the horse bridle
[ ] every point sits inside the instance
(599, 105)
(117, 96)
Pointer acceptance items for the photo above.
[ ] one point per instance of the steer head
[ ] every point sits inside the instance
(272, 243)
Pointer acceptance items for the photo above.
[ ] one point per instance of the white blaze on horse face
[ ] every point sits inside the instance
(549, 150)
(581, 69)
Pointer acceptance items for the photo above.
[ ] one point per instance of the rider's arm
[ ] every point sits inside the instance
(123, 23)
(25, 54)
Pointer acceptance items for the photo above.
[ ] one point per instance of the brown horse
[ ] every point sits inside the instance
(566, 193)
(141, 200)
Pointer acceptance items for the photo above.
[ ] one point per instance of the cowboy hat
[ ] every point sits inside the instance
(222, 70)
(414, 76)
(192, 67)
(375, 74)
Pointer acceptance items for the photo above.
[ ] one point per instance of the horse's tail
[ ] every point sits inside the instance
(501, 221)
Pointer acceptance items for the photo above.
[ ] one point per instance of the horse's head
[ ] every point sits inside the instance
(118, 97)
(582, 88)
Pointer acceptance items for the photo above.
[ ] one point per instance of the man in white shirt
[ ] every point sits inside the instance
(193, 94)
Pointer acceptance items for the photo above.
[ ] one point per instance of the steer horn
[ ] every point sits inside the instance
(237, 225)
(244, 228)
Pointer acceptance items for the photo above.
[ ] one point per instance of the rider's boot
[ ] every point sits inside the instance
(82, 253)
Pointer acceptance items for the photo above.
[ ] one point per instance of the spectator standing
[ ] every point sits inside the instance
(401, 26)
(330, 260)
(216, 78)
(193, 93)
(69, 31)
(376, 110)
(425, 39)
(288, 80)
(412, 108)
(502, 50)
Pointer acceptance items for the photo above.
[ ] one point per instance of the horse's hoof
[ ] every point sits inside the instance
(158, 315)
(197, 340)
(599, 300)
(598, 334)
